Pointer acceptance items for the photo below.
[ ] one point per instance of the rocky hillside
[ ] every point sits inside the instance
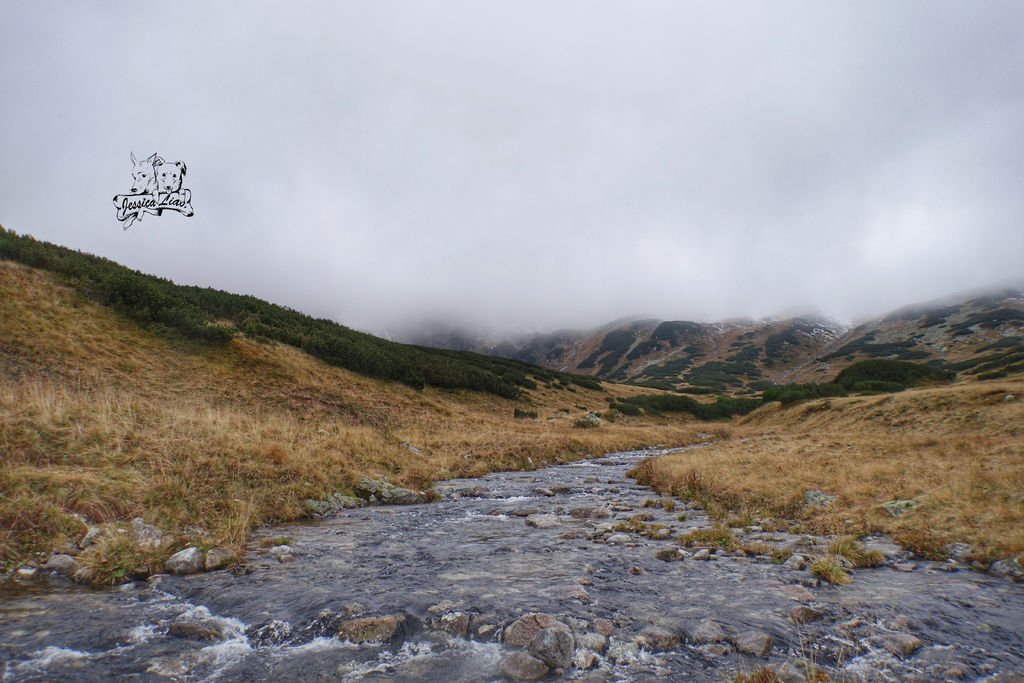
(977, 334)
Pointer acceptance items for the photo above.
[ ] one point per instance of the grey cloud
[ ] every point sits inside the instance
(531, 165)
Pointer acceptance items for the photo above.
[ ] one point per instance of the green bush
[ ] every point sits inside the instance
(521, 414)
(891, 372)
(214, 316)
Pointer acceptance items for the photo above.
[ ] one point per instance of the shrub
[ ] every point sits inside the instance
(892, 372)
(584, 423)
(849, 548)
(828, 569)
(522, 414)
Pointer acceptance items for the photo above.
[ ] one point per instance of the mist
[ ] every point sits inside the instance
(531, 166)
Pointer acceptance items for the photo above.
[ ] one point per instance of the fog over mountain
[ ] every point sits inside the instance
(530, 165)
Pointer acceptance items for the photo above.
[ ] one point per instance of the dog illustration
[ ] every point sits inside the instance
(144, 173)
(169, 176)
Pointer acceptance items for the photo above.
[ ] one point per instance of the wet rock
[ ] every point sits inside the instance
(279, 550)
(387, 493)
(714, 650)
(960, 552)
(572, 591)
(585, 659)
(542, 521)
(623, 652)
(796, 562)
(553, 646)
(905, 566)
(91, 536)
(187, 561)
(618, 539)
(286, 558)
(25, 572)
(372, 629)
(592, 641)
(547, 493)
(1010, 568)
(797, 592)
(454, 623)
(474, 492)
(604, 627)
(442, 607)
(702, 554)
(707, 631)
(662, 534)
(899, 507)
(523, 512)
(818, 499)
(322, 507)
(798, 672)
(757, 643)
(194, 630)
(589, 513)
(637, 570)
(145, 535)
(658, 639)
(802, 614)
(63, 565)
(900, 644)
(671, 554)
(521, 631)
(218, 558)
(273, 632)
(520, 666)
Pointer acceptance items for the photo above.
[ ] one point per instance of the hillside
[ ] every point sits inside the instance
(979, 334)
(104, 417)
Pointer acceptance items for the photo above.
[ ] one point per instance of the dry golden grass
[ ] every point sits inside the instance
(103, 419)
(958, 451)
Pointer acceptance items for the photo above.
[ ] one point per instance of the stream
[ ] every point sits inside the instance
(491, 551)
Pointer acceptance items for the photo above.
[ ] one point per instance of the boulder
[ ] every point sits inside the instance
(702, 554)
(623, 652)
(1010, 568)
(387, 493)
(542, 521)
(146, 536)
(707, 631)
(818, 499)
(658, 639)
(756, 643)
(592, 641)
(520, 666)
(802, 614)
(372, 629)
(899, 507)
(187, 561)
(521, 631)
(63, 565)
(553, 646)
(604, 627)
(194, 630)
(796, 562)
(900, 644)
(585, 659)
(618, 539)
(797, 592)
(273, 632)
(91, 536)
(218, 558)
(454, 623)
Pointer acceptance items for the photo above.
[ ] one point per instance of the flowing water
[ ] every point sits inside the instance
(474, 552)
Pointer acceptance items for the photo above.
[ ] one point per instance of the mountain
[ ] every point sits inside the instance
(978, 334)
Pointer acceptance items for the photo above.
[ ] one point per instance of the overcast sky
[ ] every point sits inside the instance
(530, 165)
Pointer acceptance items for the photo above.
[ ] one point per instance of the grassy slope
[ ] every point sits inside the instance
(957, 450)
(102, 417)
